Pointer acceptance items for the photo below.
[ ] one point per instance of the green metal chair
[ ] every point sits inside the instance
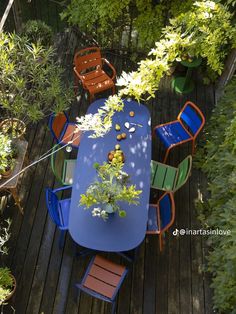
(62, 167)
(167, 178)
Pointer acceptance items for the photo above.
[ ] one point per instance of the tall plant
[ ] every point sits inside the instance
(218, 161)
(30, 79)
(126, 23)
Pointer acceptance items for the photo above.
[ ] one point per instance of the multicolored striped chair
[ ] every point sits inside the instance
(186, 128)
(161, 216)
(168, 178)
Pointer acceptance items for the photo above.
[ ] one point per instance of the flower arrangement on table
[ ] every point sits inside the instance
(110, 188)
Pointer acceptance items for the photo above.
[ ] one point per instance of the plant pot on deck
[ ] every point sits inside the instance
(15, 128)
(6, 278)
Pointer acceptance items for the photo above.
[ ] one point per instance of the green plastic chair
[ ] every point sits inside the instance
(167, 178)
(62, 167)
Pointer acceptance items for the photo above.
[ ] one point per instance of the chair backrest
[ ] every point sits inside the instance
(184, 169)
(52, 205)
(57, 124)
(166, 215)
(57, 163)
(192, 117)
(163, 177)
(87, 58)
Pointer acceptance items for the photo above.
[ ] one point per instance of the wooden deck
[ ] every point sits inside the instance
(171, 282)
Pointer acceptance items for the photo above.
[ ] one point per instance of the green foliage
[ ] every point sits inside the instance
(198, 32)
(111, 188)
(38, 31)
(6, 283)
(30, 79)
(6, 153)
(115, 23)
(218, 161)
(4, 236)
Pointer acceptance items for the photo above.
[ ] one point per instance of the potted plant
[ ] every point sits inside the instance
(108, 190)
(7, 284)
(30, 83)
(7, 280)
(7, 155)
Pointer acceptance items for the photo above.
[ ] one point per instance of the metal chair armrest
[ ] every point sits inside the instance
(111, 66)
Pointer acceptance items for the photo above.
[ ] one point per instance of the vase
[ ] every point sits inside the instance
(109, 209)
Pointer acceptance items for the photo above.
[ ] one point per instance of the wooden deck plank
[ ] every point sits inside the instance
(158, 283)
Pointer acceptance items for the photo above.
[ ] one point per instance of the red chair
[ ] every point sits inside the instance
(64, 131)
(88, 69)
(103, 279)
(161, 216)
(186, 128)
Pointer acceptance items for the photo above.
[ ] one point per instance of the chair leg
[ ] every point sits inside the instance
(91, 97)
(113, 90)
(76, 83)
(193, 147)
(61, 239)
(160, 241)
(166, 154)
(113, 310)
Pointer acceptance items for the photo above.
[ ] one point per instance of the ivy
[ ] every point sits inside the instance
(218, 161)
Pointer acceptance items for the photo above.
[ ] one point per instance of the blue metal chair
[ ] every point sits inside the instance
(161, 216)
(58, 210)
(189, 123)
(64, 131)
(103, 279)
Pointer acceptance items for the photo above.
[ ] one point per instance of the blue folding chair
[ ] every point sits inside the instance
(58, 210)
(189, 123)
(161, 216)
(103, 279)
(64, 131)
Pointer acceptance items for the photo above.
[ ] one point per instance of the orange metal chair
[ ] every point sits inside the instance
(161, 216)
(88, 69)
(186, 128)
(64, 131)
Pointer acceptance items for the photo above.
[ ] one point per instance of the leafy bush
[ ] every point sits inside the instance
(30, 80)
(218, 161)
(199, 32)
(109, 22)
(6, 283)
(38, 31)
(6, 153)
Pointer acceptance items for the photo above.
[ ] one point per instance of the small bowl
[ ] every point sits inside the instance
(112, 152)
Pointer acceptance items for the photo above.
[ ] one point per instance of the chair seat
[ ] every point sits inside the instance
(64, 210)
(104, 277)
(97, 81)
(152, 225)
(69, 167)
(69, 134)
(172, 133)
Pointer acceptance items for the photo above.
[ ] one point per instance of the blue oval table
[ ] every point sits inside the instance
(116, 234)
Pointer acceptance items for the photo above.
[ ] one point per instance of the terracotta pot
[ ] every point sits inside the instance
(7, 173)
(13, 289)
(6, 127)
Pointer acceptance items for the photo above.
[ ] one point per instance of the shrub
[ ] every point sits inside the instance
(38, 31)
(30, 80)
(218, 161)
